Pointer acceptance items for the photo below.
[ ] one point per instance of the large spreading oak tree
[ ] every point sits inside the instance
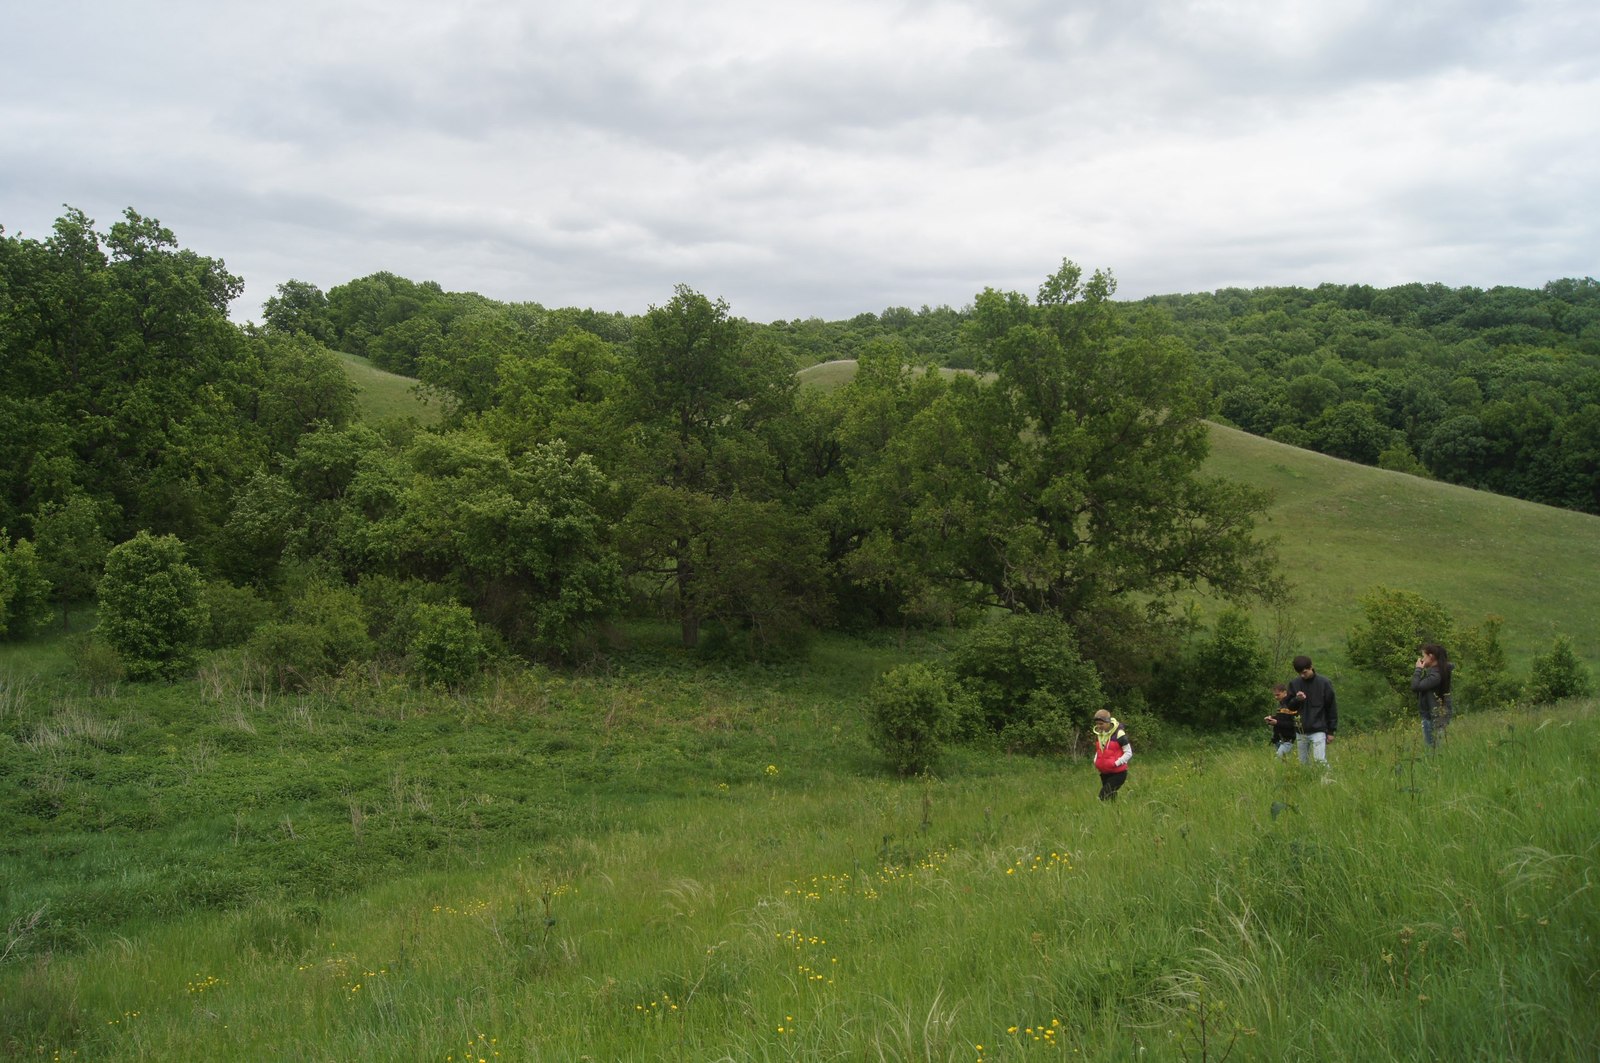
(1064, 476)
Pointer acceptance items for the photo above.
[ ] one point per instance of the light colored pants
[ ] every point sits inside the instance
(1312, 745)
(1284, 748)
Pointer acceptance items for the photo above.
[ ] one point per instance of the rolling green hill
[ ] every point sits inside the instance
(1344, 528)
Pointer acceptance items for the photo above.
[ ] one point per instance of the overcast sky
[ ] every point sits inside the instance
(815, 158)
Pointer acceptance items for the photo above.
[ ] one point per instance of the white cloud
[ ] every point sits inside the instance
(818, 159)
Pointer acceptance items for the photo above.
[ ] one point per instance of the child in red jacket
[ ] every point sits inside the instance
(1112, 753)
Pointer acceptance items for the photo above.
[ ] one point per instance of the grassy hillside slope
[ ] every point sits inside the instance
(1344, 528)
(381, 395)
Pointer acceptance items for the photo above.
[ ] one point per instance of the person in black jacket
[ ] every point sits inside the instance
(1431, 682)
(1313, 695)
(1283, 719)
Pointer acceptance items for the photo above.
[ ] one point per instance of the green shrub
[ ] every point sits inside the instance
(326, 630)
(911, 717)
(391, 608)
(24, 589)
(150, 607)
(448, 648)
(1558, 674)
(1393, 627)
(1148, 730)
(97, 664)
(1483, 677)
(72, 549)
(232, 614)
(1025, 682)
(1225, 678)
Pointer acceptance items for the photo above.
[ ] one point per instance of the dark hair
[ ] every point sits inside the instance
(1279, 688)
(1442, 659)
(1301, 663)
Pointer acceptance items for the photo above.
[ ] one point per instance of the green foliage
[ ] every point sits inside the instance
(1022, 680)
(391, 607)
(1150, 731)
(151, 612)
(1224, 680)
(299, 309)
(707, 404)
(1483, 678)
(464, 367)
(758, 583)
(447, 649)
(1497, 389)
(232, 613)
(1065, 479)
(911, 717)
(123, 378)
(527, 538)
(24, 588)
(96, 664)
(390, 319)
(304, 387)
(1394, 625)
(258, 529)
(1559, 674)
(1351, 430)
(325, 631)
(72, 549)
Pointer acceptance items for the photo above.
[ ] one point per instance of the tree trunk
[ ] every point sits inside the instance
(688, 616)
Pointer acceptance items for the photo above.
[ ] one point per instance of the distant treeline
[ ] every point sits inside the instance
(1495, 389)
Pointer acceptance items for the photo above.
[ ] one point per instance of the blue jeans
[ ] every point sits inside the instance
(1315, 745)
(1434, 725)
(1284, 748)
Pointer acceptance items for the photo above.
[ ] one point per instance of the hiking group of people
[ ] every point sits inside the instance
(1305, 719)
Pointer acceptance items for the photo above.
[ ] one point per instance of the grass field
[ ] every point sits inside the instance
(676, 863)
(381, 395)
(1344, 528)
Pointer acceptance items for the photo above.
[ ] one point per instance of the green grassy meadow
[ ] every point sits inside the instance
(1344, 528)
(381, 395)
(676, 863)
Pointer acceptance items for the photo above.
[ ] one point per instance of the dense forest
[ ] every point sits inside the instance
(1495, 389)
(210, 484)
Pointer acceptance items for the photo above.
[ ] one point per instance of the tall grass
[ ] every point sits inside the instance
(1403, 907)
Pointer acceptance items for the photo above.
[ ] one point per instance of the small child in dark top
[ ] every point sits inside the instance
(1284, 721)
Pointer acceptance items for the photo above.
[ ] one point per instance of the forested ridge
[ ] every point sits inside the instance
(591, 466)
(1496, 389)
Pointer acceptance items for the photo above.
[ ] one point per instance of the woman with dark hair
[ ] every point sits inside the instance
(1431, 682)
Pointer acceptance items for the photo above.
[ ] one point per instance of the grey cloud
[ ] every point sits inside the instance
(873, 155)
